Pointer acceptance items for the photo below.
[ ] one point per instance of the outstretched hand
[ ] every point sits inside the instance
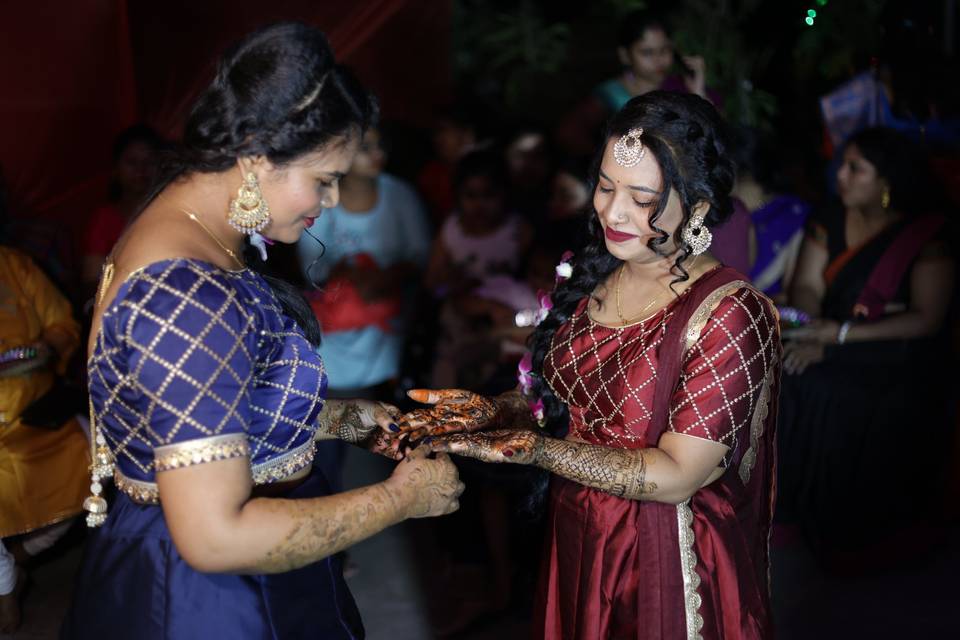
(505, 445)
(453, 411)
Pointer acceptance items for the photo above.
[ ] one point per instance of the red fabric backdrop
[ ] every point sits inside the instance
(76, 73)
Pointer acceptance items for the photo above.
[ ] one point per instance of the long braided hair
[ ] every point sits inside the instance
(690, 144)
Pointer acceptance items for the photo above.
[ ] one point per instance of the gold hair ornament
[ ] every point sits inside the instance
(628, 150)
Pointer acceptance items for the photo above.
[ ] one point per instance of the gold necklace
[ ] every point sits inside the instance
(230, 252)
(624, 321)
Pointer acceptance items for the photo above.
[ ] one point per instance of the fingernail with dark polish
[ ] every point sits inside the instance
(393, 427)
(508, 453)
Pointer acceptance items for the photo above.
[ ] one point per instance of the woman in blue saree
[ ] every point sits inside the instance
(206, 392)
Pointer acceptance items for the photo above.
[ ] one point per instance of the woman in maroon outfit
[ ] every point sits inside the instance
(663, 365)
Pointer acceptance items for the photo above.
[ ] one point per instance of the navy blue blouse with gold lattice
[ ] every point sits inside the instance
(193, 363)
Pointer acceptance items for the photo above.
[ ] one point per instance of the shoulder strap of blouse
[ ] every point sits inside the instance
(674, 342)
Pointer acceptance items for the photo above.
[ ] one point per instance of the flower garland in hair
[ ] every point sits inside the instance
(525, 375)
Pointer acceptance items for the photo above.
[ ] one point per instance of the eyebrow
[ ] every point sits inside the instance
(337, 175)
(631, 186)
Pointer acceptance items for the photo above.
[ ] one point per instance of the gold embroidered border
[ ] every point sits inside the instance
(760, 414)
(138, 490)
(185, 454)
(285, 465)
(275, 470)
(688, 565)
(699, 318)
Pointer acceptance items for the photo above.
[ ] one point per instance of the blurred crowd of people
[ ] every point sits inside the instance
(435, 281)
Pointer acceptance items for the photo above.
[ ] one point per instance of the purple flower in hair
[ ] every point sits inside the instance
(524, 375)
(546, 304)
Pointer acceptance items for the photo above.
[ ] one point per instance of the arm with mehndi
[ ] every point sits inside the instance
(217, 527)
(670, 472)
(734, 358)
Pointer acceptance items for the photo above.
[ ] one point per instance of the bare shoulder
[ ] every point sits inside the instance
(159, 234)
(154, 236)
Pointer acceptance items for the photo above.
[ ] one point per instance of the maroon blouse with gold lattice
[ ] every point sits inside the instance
(610, 561)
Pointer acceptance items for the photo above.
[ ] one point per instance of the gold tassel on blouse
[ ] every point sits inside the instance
(101, 468)
(101, 460)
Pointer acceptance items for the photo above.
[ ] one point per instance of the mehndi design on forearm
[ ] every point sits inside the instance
(619, 472)
(316, 534)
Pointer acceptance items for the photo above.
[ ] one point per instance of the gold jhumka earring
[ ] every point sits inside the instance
(249, 212)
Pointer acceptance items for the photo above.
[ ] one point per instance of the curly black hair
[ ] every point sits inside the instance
(691, 146)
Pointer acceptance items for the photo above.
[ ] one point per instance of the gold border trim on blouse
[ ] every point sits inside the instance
(760, 414)
(700, 317)
(185, 454)
(137, 490)
(276, 470)
(688, 565)
(285, 465)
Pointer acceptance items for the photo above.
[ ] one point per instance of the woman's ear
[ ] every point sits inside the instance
(260, 166)
(624, 57)
(700, 209)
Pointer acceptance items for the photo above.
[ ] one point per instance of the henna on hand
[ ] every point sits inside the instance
(352, 421)
(504, 445)
(386, 444)
(454, 411)
(431, 487)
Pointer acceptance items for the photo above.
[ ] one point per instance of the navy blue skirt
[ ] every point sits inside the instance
(133, 584)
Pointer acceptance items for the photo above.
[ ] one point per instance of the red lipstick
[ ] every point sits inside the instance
(617, 236)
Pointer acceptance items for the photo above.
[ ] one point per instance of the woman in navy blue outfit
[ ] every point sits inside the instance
(207, 395)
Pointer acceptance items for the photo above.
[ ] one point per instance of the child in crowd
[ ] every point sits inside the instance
(483, 240)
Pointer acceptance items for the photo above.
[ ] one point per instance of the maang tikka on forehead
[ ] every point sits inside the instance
(628, 150)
